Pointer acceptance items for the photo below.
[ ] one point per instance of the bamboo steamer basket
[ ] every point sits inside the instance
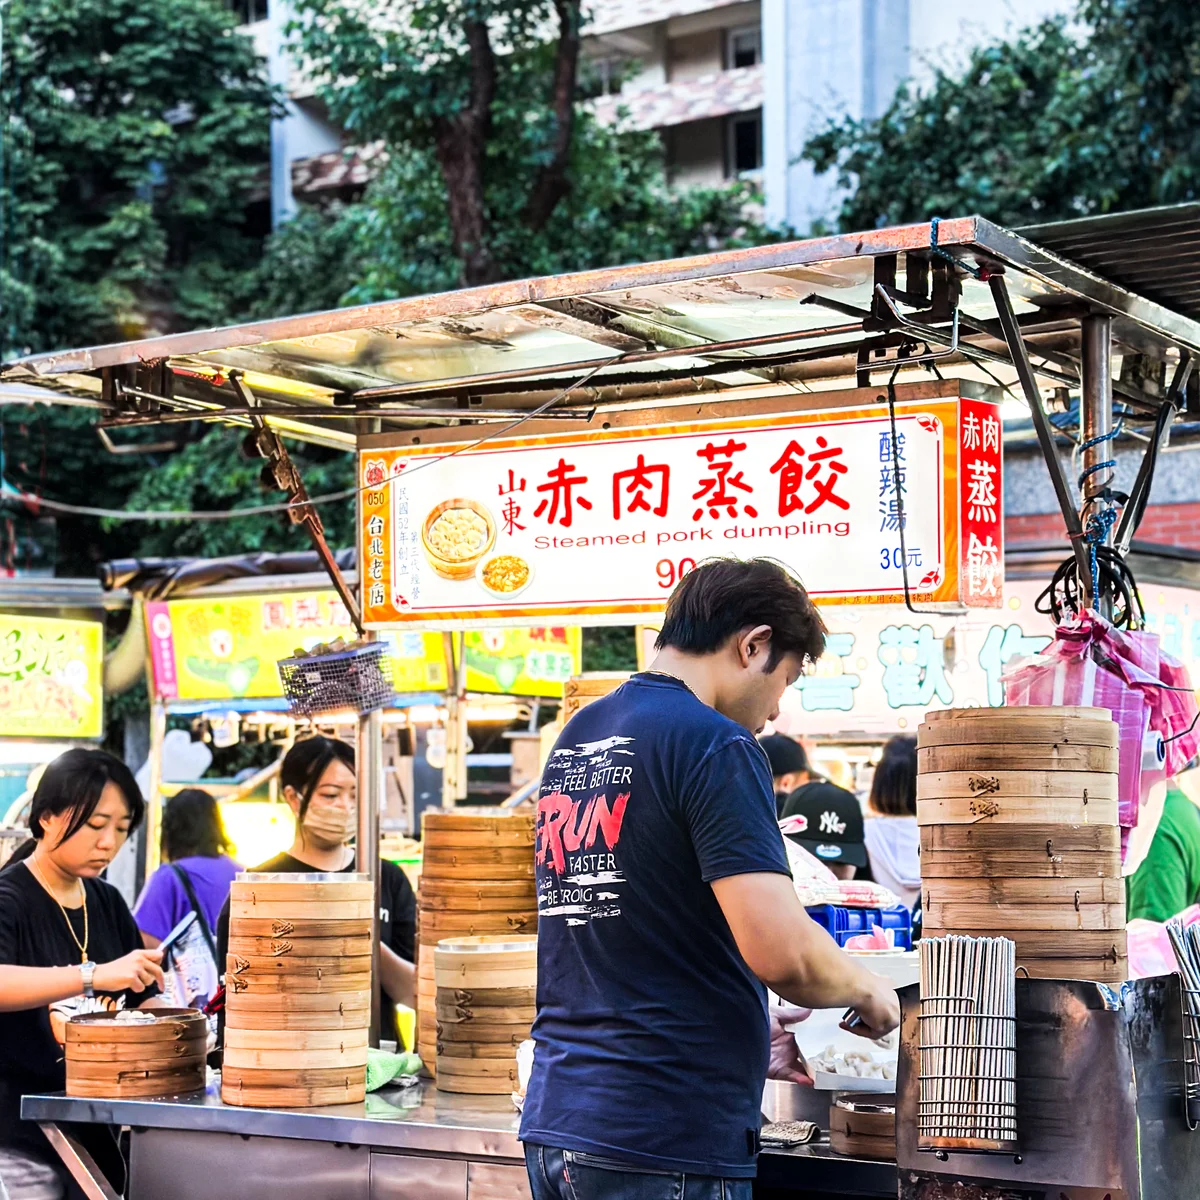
(866, 1134)
(108, 1058)
(298, 1004)
(1018, 817)
(482, 1011)
(438, 926)
(581, 690)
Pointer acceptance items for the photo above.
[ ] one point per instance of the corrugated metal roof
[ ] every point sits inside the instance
(1152, 251)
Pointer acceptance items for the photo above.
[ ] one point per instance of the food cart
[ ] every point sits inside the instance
(565, 448)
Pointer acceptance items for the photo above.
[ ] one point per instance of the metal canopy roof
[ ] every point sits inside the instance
(737, 324)
(1154, 251)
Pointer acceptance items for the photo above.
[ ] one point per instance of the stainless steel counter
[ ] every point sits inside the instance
(402, 1144)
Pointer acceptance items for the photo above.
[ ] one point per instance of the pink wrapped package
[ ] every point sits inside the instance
(1150, 950)
(877, 939)
(1148, 693)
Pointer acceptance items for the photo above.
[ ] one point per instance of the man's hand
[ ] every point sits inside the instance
(877, 1013)
(786, 1060)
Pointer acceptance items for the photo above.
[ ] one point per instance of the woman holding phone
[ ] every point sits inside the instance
(319, 785)
(68, 944)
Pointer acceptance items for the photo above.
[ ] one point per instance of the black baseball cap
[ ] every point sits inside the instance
(785, 755)
(834, 823)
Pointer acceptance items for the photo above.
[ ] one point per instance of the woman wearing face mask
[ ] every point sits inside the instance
(68, 944)
(317, 777)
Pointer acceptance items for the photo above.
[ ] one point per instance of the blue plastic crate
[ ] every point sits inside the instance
(844, 923)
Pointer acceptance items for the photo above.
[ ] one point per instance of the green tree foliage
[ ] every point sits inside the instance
(135, 137)
(528, 184)
(1098, 114)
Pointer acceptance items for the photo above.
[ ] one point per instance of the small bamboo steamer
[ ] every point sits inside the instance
(302, 1002)
(865, 1134)
(510, 889)
(481, 1032)
(343, 1019)
(1027, 756)
(481, 1068)
(104, 1057)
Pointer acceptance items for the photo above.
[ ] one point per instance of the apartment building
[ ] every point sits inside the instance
(735, 89)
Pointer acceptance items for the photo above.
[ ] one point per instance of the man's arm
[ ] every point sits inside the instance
(795, 957)
(397, 975)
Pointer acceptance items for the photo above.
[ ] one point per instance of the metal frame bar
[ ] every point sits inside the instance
(1041, 423)
(79, 1162)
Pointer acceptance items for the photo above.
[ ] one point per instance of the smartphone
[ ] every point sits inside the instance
(175, 934)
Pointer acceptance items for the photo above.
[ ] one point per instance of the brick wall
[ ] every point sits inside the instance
(1163, 524)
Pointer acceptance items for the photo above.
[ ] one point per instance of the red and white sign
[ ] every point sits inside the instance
(600, 525)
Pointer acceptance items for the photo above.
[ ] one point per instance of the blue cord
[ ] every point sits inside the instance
(1096, 441)
(1098, 527)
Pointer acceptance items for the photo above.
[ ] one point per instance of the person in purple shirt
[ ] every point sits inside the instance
(196, 854)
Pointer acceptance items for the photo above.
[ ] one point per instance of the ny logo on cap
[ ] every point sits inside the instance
(831, 824)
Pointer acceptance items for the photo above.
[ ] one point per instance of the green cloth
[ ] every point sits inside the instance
(383, 1067)
(1168, 881)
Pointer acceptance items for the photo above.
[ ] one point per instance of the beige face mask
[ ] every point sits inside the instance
(330, 825)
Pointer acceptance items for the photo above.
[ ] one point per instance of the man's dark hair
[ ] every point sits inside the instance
(725, 596)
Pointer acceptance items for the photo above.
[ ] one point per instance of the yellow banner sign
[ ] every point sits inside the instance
(51, 677)
(227, 649)
(522, 662)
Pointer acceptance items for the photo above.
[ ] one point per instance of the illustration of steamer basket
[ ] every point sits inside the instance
(298, 990)
(456, 535)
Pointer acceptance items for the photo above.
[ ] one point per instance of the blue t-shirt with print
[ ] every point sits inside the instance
(651, 1031)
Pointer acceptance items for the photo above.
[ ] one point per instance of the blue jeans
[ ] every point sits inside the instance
(573, 1175)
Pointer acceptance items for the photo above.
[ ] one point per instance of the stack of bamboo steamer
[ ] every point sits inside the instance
(298, 990)
(159, 1052)
(476, 881)
(581, 690)
(485, 994)
(1020, 835)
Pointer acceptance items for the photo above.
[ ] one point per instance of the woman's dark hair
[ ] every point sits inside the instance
(73, 783)
(894, 788)
(724, 596)
(305, 763)
(192, 827)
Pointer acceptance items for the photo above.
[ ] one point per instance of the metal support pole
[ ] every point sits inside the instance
(1096, 422)
(370, 800)
(152, 830)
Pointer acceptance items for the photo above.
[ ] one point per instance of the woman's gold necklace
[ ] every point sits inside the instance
(83, 955)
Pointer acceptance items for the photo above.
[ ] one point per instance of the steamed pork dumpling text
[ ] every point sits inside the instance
(457, 534)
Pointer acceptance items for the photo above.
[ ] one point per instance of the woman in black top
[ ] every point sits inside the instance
(68, 944)
(317, 776)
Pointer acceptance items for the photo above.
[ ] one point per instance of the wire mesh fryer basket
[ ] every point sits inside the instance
(358, 679)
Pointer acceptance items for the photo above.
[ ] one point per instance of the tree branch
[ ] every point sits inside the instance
(552, 184)
(461, 142)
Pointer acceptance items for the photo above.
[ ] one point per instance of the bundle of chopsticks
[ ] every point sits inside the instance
(1185, 941)
(967, 1042)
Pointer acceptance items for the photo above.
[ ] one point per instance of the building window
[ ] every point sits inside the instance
(743, 153)
(743, 47)
(602, 76)
(249, 11)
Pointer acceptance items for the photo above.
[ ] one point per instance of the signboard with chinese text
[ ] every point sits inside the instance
(51, 677)
(228, 648)
(602, 524)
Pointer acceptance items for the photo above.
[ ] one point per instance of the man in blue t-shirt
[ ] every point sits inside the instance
(665, 905)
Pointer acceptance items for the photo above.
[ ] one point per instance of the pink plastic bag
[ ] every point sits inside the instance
(1150, 950)
(1148, 693)
(877, 939)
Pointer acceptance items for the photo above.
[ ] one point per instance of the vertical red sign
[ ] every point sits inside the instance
(980, 504)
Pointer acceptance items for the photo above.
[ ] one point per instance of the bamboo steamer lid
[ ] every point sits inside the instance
(967, 726)
(1023, 756)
